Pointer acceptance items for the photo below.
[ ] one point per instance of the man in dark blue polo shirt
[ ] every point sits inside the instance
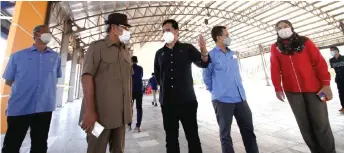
(137, 92)
(32, 74)
(154, 85)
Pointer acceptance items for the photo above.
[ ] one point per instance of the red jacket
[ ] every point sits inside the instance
(302, 72)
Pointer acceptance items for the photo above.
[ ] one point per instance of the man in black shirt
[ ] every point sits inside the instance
(172, 69)
(337, 62)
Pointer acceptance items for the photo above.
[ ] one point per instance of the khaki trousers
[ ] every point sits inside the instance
(114, 137)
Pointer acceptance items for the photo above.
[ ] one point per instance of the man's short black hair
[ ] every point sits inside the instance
(173, 22)
(217, 31)
(152, 73)
(134, 59)
(334, 48)
(38, 29)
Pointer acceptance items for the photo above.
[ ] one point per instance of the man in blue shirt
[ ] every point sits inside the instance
(137, 92)
(222, 78)
(154, 85)
(32, 74)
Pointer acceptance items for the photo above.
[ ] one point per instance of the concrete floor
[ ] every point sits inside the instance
(275, 127)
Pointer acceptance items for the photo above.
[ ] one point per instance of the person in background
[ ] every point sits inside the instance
(222, 78)
(107, 85)
(32, 74)
(303, 71)
(137, 92)
(172, 69)
(154, 85)
(337, 63)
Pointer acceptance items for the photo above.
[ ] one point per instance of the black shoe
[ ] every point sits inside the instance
(153, 103)
(156, 104)
(138, 129)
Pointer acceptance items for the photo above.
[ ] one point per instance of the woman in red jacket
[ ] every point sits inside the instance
(298, 66)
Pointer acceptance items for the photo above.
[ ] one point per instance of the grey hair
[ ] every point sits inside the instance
(37, 29)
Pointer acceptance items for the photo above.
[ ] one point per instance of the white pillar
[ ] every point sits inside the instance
(77, 82)
(64, 55)
(81, 92)
(264, 65)
(72, 80)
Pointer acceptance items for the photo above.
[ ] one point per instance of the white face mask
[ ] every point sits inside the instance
(124, 38)
(285, 33)
(227, 41)
(333, 53)
(168, 37)
(46, 38)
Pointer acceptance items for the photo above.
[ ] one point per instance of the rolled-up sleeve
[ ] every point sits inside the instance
(92, 60)
(195, 57)
(207, 77)
(10, 70)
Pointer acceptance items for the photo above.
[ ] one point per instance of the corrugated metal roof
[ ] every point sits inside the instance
(250, 23)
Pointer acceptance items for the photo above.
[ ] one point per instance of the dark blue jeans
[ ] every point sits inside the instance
(242, 113)
(137, 97)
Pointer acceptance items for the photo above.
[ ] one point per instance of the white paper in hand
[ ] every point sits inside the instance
(97, 130)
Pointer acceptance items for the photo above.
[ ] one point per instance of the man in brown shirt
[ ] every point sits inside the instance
(106, 80)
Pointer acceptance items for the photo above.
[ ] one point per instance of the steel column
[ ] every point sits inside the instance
(264, 65)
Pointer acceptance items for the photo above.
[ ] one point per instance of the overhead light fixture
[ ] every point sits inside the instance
(74, 28)
(81, 44)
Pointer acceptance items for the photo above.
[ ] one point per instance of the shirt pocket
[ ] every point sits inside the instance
(49, 64)
(219, 65)
(109, 67)
(26, 64)
(109, 56)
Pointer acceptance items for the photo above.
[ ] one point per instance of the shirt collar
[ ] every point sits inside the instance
(217, 48)
(177, 43)
(34, 48)
(111, 43)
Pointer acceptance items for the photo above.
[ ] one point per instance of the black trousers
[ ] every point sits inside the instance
(312, 117)
(186, 113)
(18, 126)
(340, 86)
(242, 113)
(137, 97)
